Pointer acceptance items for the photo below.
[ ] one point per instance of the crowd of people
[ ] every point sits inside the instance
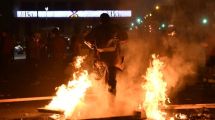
(35, 46)
(57, 50)
(41, 57)
(6, 47)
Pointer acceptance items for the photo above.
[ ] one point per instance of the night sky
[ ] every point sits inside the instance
(139, 7)
(139, 4)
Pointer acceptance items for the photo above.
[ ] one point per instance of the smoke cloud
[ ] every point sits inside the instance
(184, 60)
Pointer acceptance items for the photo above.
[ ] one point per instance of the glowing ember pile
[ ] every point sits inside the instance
(68, 97)
(155, 88)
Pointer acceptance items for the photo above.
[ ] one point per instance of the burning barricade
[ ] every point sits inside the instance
(87, 97)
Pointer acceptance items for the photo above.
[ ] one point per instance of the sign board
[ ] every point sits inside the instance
(66, 14)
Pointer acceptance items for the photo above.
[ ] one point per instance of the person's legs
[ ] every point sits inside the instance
(112, 79)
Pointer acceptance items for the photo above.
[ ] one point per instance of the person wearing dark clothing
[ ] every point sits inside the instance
(6, 51)
(1, 47)
(57, 60)
(7, 48)
(35, 48)
(105, 37)
(58, 46)
(1, 54)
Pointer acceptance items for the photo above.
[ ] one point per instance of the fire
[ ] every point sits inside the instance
(155, 88)
(69, 96)
(181, 116)
(79, 61)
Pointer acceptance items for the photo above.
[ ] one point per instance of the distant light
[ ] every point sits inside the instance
(139, 20)
(204, 21)
(170, 25)
(157, 7)
(136, 27)
(132, 24)
(150, 14)
(163, 25)
(173, 33)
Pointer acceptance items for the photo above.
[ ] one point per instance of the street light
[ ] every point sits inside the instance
(204, 21)
(150, 14)
(163, 25)
(139, 20)
(157, 7)
(132, 24)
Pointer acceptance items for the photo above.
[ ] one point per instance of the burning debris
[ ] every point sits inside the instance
(155, 87)
(72, 100)
(70, 96)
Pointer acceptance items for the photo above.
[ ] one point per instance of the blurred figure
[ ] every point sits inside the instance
(1, 48)
(35, 48)
(1, 56)
(76, 41)
(106, 38)
(7, 47)
(57, 46)
(209, 46)
(7, 56)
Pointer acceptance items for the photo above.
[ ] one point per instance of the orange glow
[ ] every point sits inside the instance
(79, 61)
(155, 88)
(157, 7)
(69, 97)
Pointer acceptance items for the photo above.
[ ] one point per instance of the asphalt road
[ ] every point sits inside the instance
(24, 79)
(21, 79)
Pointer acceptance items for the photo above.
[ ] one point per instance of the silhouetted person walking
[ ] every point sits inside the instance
(106, 37)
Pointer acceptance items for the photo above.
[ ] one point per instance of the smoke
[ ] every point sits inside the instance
(184, 62)
(184, 58)
(184, 55)
(169, 2)
(184, 66)
(97, 101)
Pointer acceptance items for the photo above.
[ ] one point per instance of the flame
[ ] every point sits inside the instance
(155, 88)
(69, 96)
(79, 61)
(181, 116)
